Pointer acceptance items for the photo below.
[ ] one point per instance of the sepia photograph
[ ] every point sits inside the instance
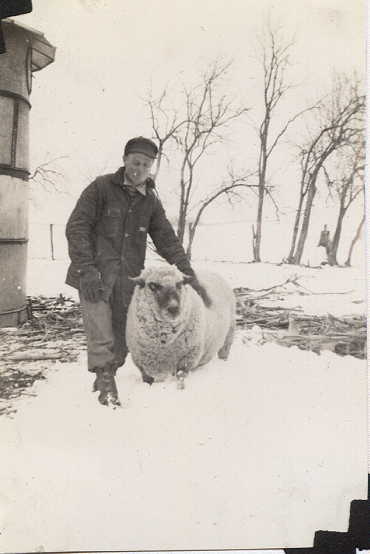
(183, 275)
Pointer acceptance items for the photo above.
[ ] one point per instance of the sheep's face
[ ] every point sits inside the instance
(164, 289)
(167, 296)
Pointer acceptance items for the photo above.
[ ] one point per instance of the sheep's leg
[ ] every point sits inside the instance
(180, 376)
(224, 351)
(146, 378)
(181, 373)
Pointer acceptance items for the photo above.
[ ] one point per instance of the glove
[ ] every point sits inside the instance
(91, 285)
(199, 289)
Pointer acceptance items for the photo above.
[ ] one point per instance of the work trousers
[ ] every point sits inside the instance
(105, 328)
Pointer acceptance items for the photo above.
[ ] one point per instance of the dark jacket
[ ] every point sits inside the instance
(108, 229)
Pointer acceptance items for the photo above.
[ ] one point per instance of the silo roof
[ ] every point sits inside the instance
(43, 53)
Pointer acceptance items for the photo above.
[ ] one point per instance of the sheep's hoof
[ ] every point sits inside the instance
(147, 378)
(180, 376)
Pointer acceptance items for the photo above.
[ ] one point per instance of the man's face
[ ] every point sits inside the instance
(137, 167)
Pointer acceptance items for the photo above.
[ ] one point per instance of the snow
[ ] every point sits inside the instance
(204, 468)
(259, 451)
(47, 277)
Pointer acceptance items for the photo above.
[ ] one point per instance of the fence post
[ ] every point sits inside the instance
(52, 241)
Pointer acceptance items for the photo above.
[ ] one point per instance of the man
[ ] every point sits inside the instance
(107, 233)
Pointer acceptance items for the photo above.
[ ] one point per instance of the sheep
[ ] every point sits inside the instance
(170, 331)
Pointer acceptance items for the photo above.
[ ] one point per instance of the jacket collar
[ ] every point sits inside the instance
(118, 178)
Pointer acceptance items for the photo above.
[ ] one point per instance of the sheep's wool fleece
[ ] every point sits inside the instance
(160, 345)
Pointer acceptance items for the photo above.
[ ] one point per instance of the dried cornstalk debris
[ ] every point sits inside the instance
(54, 332)
(35, 355)
(344, 335)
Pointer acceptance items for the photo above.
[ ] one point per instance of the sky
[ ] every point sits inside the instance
(89, 102)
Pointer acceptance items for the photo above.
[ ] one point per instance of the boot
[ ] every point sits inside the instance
(105, 384)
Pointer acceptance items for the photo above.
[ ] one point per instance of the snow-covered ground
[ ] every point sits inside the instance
(259, 451)
(256, 452)
(344, 289)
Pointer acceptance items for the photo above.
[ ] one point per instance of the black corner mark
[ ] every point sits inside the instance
(357, 536)
(10, 8)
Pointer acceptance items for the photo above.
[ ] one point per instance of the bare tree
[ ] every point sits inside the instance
(344, 188)
(165, 123)
(338, 122)
(227, 189)
(47, 176)
(275, 61)
(207, 114)
(354, 240)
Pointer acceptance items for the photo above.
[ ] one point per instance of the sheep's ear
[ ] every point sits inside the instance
(138, 281)
(187, 279)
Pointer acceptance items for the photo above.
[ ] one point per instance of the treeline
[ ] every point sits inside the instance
(329, 147)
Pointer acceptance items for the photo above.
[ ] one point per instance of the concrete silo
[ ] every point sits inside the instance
(27, 51)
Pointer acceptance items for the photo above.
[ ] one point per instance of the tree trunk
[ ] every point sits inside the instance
(181, 224)
(258, 236)
(254, 243)
(305, 224)
(332, 258)
(331, 255)
(192, 229)
(181, 221)
(355, 239)
(295, 230)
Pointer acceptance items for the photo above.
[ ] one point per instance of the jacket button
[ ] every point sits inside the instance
(127, 234)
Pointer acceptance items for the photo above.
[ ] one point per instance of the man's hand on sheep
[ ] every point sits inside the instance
(91, 285)
(199, 289)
